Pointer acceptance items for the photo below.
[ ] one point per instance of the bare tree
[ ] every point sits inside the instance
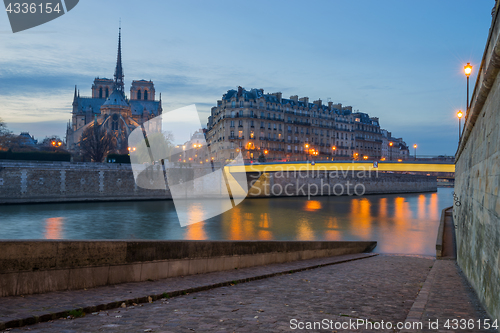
(3, 128)
(10, 141)
(96, 142)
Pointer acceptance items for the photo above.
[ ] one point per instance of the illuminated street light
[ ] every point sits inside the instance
(390, 151)
(459, 116)
(365, 157)
(467, 71)
(415, 147)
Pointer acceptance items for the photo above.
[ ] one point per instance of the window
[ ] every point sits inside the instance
(240, 123)
(145, 95)
(251, 123)
(232, 123)
(241, 104)
(233, 104)
(251, 104)
(100, 92)
(251, 135)
(261, 124)
(279, 126)
(240, 134)
(107, 92)
(269, 125)
(261, 105)
(232, 134)
(138, 94)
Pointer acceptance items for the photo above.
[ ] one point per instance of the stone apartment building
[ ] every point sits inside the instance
(290, 129)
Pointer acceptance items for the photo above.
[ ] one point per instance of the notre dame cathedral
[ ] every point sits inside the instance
(110, 108)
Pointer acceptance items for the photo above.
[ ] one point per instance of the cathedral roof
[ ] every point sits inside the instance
(138, 106)
(116, 99)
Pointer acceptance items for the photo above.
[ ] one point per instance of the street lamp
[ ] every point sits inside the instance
(467, 71)
(459, 115)
(390, 150)
(415, 147)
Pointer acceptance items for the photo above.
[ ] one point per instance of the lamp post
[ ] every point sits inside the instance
(390, 150)
(467, 71)
(459, 115)
(415, 147)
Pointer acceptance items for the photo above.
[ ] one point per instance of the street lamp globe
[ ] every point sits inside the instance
(460, 114)
(468, 69)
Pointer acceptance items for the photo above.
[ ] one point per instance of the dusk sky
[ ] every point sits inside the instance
(397, 60)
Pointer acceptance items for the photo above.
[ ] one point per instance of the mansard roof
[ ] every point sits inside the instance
(254, 94)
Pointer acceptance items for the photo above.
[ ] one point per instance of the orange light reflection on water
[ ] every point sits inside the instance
(312, 205)
(333, 231)
(304, 230)
(360, 214)
(264, 233)
(53, 227)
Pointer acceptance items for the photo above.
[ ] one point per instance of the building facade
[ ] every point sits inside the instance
(110, 108)
(290, 129)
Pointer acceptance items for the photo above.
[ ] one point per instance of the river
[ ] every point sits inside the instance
(400, 223)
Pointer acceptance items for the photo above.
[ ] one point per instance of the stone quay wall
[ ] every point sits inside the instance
(25, 182)
(315, 183)
(66, 182)
(40, 266)
(476, 212)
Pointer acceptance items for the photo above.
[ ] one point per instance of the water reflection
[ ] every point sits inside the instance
(400, 223)
(53, 227)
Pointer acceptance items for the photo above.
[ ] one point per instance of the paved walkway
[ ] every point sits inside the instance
(380, 288)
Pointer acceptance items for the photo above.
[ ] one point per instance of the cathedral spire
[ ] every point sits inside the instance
(75, 97)
(119, 70)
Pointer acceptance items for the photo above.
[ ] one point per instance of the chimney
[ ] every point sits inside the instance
(278, 96)
(305, 100)
(318, 102)
(330, 106)
(294, 98)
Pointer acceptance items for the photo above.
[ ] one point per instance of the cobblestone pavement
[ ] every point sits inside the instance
(451, 297)
(377, 288)
(381, 288)
(21, 310)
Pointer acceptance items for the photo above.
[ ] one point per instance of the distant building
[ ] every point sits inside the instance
(109, 107)
(28, 139)
(192, 151)
(290, 129)
(394, 149)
